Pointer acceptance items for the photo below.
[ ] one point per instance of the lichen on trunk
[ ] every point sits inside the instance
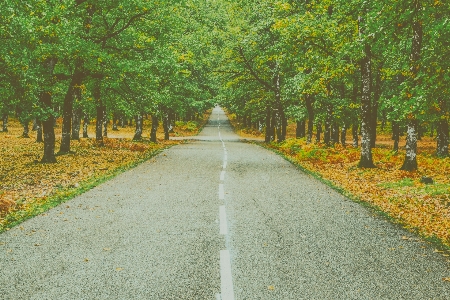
(139, 128)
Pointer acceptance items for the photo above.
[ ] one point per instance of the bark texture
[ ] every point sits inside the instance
(442, 138)
(301, 129)
(68, 112)
(139, 128)
(76, 124)
(155, 124)
(309, 100)
(85, 126)
(39, 137)
(366, 160)
(49, 130)
(410, 162)
(5, 123)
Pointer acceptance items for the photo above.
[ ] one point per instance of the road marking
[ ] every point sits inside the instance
(225, 158)
(223, 220)
(221, 192)
(218, 297)
(226, 282)
(224, 164)
(222, 175)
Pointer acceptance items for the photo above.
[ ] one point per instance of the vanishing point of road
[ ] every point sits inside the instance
(216, 218)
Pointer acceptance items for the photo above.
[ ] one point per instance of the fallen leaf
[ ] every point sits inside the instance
(446, 279)
(119, 269)
(37, 245)
(271, 288)
(86, 259)
(106, 249)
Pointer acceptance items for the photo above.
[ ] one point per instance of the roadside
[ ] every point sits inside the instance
(400, 195)
(28, 188)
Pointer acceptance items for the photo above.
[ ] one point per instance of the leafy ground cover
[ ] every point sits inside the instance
(424, 208)
(28, 187)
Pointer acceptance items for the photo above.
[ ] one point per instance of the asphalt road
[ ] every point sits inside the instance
(216, 219)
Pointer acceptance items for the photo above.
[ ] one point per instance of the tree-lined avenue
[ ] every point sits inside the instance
(154, 233)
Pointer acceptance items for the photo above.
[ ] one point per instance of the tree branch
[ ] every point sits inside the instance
(253, 73)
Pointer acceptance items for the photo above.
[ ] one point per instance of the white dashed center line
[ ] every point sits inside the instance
(221, 192)
(226, 282)
(223, 220)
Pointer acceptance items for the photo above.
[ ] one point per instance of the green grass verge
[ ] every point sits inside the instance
(63, 195)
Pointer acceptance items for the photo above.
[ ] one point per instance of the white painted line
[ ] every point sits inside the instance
(222, 175)
(223, 220)
(225, 158)
(224, 164)
(218, 297)
(221, 192)
(226, 281)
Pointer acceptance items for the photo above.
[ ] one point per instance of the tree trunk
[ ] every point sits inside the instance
(26, 129)
(76, 124)
(139, 127)
(172, 119)
(105, 122)
(49, 130)
(155, 124)
(301, 129)
(5, 123)
(68, 112)
(366, 149)
(114, 124)
(442, 138)
(34, 127)
(355, 137)
(319, 131)
(166, 125)
(328, 118)
(269, 128)
(99, 124)
(85, 125)
(100, 112)
(335, 133)
(309, 100)
(395, 135)
(376, 100)
(343, 135)
(410, 163)
(39, 138)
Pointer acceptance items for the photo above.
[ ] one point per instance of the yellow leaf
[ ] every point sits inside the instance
(271, 288)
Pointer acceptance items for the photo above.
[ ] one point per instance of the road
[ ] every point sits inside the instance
(216, 219)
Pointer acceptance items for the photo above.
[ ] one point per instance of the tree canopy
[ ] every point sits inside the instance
(335, 64)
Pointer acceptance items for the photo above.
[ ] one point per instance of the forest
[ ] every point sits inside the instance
(333, 68)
